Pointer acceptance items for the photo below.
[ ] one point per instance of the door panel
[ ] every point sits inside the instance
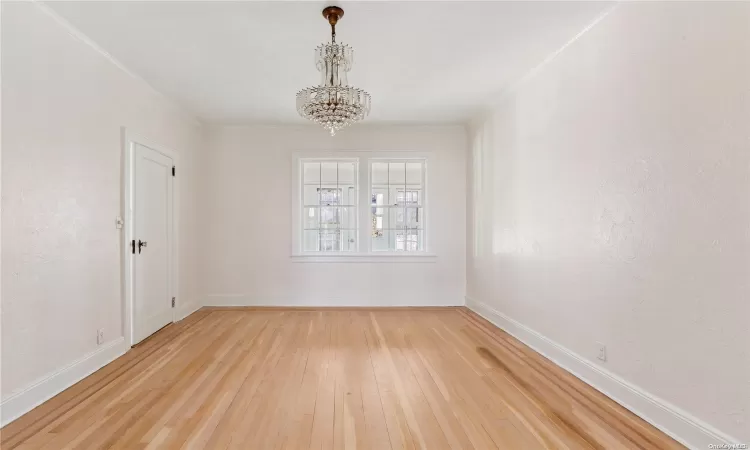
(152, 308)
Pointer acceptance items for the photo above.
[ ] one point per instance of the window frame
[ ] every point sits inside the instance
(299, 204)
(423, 203)
(363, 251)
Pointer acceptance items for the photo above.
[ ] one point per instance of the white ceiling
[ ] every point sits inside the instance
(239, 62)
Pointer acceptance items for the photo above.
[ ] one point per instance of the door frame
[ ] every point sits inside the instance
(129, 139)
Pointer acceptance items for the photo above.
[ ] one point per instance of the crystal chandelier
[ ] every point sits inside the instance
(333, 104)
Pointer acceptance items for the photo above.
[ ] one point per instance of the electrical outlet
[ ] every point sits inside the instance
(100, 336)
(602, 351)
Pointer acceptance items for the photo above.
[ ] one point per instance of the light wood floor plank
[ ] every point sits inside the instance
(331, 378)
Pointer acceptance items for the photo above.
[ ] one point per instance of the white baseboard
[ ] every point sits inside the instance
(240, 300)
(678, 424)
(47, 387)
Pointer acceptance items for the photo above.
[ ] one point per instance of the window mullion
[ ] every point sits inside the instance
(320, 207)
(421, 202)
(388, 209)
(364, 242)
(406, 219)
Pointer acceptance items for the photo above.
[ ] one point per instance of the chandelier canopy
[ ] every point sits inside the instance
(333, 104)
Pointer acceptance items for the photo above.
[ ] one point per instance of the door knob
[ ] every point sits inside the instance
(141, 244)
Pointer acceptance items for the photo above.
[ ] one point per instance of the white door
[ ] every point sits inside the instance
(152, 237)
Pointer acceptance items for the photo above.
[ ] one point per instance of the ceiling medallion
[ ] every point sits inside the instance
(333, 104)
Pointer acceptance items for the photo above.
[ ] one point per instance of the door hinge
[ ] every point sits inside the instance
(173, 170)
(172, 302)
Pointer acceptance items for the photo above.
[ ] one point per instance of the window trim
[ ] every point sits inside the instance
(363, 252)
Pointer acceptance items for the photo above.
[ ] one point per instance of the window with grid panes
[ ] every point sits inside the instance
(329, 206)
(397, 205)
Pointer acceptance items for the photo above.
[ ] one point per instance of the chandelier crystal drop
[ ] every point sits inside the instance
(333, 104)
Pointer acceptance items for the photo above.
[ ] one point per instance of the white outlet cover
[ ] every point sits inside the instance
(602, 351)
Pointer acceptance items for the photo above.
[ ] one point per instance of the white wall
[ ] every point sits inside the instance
(610, 202)
(246, 260)
(64, 104)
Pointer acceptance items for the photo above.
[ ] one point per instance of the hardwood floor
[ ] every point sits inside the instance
(330, 379)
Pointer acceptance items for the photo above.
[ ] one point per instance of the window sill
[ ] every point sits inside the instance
(385, 257)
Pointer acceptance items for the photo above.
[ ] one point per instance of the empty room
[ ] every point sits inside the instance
(508, 225)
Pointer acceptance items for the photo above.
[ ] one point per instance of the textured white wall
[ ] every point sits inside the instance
(63, 105)
(247, 227)
(610, 193)
(610, 201)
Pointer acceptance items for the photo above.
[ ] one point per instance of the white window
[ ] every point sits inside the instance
(329, 206)
(397, 205)
(360, 204)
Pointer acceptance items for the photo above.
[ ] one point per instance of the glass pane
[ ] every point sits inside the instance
(396, 195)
(396, 173)
(348, 217)
(348, 195)
(311, 173)
(348, 240)
(399, 241)
(384, 213)
(408, 241)
(329, 240)
(404, 197)
(311, 217)
(414, 240)
(379, 196)
(311, 195)
(414, 217)
(378, 221)
(413, 197)
(328, 173)
(346, 173)
(381, 241)
(379, 174)
(330, 217)
(329, 195)
(310, 240)
(396, 218)
(414, 175)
